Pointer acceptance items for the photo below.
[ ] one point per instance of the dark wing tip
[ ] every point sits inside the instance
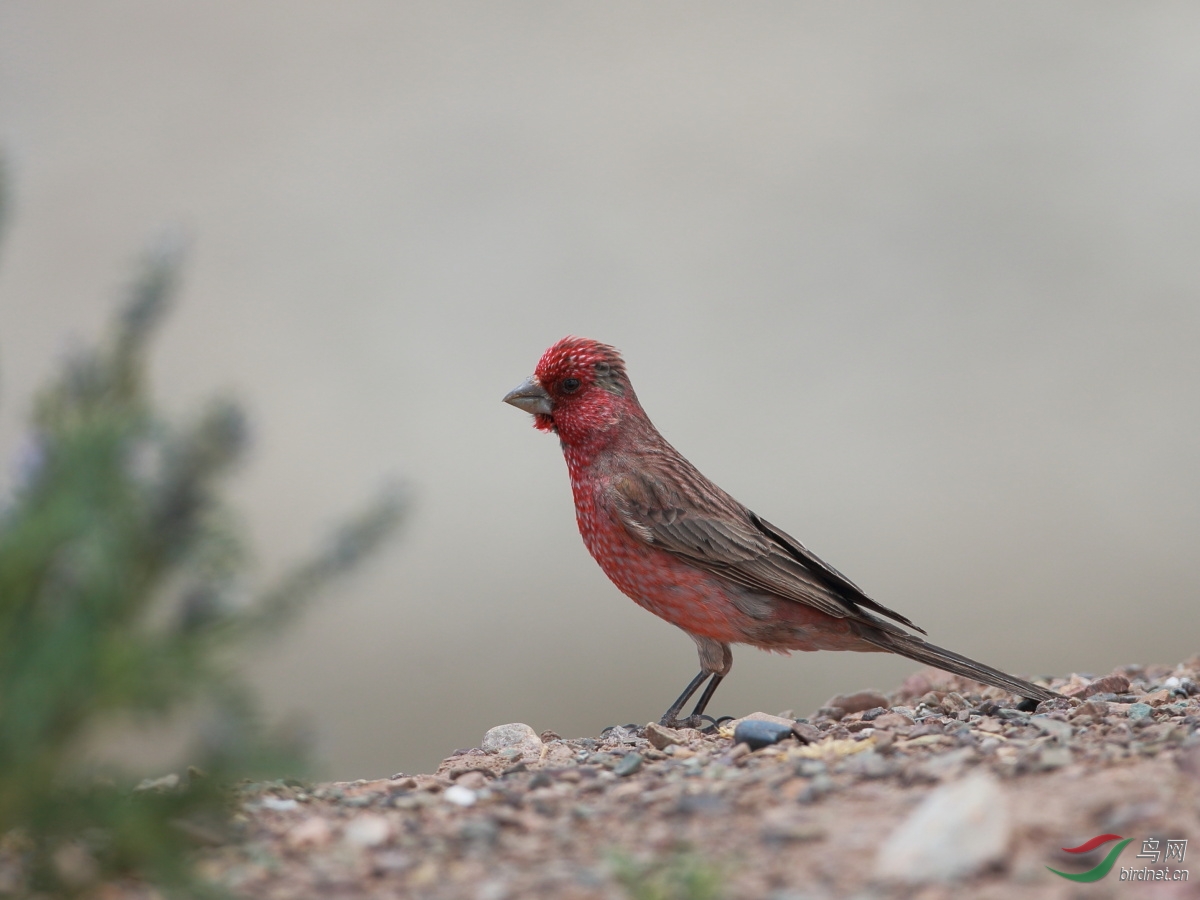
(842, 587)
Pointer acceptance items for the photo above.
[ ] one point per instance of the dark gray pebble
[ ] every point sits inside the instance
(1012, 714)
(757, 734)
(1140, 711)
(629, 764)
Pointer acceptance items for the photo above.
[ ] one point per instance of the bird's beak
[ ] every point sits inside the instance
(530, 396)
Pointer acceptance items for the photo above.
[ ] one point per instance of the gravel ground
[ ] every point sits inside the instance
(941, 789)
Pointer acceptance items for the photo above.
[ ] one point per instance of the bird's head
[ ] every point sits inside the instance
(579, 390)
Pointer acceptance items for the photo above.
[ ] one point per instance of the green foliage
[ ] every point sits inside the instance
(122, 588)
(681, 875)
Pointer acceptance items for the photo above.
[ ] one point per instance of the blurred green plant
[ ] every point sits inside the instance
(678, 875)
(122, 590)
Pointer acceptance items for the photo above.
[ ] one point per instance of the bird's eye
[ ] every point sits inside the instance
(570, 385)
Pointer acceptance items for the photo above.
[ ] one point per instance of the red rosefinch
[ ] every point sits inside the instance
(687, 551)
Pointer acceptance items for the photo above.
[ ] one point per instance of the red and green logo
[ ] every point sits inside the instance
(1106, 864)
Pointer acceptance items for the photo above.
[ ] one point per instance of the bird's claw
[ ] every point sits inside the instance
(692, 721)
(714, 725)
(702, 723)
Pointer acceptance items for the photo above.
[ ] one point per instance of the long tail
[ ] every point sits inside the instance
(914, 648)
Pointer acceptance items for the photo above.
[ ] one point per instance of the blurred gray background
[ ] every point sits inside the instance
(919, 282)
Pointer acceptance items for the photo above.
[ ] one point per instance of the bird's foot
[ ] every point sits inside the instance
(704, 724)
(692, 721)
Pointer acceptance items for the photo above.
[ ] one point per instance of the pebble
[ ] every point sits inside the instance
(892, 720)
(1063, 704)
(760, 717)
(629, 764)
(1054, 757)
(883, 740)
(278, 804)
(858, 702)
(560, 753)
(474, 780)
(758, 734)
(1187, 687)
(660, 737)
(516, 736)
(1140, 711)
(1056, 728)
(1093, 709)
(954, 702)
(369, 830)
(808, 734)
(459, 795)
(1012, 714)
(956, 831)
(1109, 684)
(623, 734)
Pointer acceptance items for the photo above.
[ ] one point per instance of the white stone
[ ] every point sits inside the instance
(368, 830)
(956, 831)
(459, 795)
(516, 736)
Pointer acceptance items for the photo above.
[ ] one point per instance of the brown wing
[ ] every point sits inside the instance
(714, 532)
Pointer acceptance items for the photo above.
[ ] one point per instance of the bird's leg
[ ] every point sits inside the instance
(709, 690)
(697, 719)
(716, 660)
(670, 717)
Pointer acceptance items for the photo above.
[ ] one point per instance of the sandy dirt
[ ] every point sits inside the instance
(941, 789)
